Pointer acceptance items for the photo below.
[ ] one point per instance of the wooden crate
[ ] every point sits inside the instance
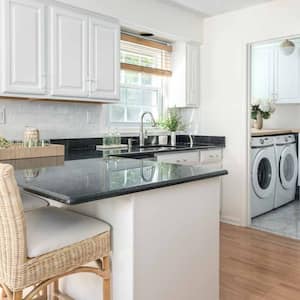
(20, 152)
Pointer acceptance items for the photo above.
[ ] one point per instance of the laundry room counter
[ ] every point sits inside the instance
(264, 132)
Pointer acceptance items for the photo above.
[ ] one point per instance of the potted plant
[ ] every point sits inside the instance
(261, 109)
(173, 123)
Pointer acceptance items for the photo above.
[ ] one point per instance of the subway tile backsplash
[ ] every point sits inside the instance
(53, 119)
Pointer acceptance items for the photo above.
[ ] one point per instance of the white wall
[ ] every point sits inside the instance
(285, 116)
(154, 15)
(63, 120)
(224, 87)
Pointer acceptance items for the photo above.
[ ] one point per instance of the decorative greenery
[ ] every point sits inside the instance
(265, 107)
(173, 121)
(3, 142)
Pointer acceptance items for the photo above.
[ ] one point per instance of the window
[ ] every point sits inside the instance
(145, 69)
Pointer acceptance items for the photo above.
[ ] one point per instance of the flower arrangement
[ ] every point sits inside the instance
(264, 107)
(261, 109)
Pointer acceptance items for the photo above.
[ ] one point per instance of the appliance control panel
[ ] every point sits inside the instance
(285, 139)
(263, 141)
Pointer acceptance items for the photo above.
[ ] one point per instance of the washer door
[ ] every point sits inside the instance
(263, 173)
(288, 168)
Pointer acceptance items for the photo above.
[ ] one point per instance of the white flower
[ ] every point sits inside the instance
(265, 107)
(256, 101)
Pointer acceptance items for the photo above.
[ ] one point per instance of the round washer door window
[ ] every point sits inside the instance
(288, 168)
(263, 173)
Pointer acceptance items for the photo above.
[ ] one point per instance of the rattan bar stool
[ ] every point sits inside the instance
(40, 246)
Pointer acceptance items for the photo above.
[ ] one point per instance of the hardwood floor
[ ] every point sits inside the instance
(258, 265)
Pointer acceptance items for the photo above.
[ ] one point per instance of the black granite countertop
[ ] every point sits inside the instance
(85, 180)
(86, 148)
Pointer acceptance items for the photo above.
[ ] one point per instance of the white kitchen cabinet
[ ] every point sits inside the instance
(263, 85)
(185, 80)
(104, 61)
(182, 158)
(193, 74)
(211, 158)
(56, 51)
(68, 53)
(287, 76)
(24, 59)
(274, 75)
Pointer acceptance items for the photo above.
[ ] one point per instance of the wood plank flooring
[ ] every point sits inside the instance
(256, 265)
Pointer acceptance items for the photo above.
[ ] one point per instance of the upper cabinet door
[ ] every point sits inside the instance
(193, 74)
(104, 59)
(262, 72)
(24, 51)
(287, 76)
(69, 53)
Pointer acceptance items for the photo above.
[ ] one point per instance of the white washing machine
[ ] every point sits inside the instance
(263, 175)
(287, 169)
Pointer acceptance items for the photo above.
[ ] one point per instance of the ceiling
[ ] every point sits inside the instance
(215, 7)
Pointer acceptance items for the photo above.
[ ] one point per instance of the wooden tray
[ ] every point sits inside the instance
(20, 152)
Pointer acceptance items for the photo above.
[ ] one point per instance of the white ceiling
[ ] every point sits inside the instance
(215, 7)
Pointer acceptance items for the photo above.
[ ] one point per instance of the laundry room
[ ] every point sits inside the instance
(274, 127)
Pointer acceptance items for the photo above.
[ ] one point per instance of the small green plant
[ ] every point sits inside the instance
(173, 121)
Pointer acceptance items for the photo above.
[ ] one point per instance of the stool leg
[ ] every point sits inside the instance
(55, 290)
(3, 295)
(106, 281)
(45, 293)
(18, 295)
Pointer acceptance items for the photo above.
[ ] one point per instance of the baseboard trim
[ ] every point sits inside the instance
(231, 220)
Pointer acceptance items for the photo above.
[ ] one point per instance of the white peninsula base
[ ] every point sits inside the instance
(165, 244)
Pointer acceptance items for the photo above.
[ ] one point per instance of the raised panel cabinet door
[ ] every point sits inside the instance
(68, 53)
(104, 59)
(24, 47)
(193, 74)
(288, 76)
(262, 72)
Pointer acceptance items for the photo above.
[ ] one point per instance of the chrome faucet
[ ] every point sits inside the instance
(142, 133)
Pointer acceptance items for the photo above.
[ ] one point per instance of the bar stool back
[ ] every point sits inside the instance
(19, 269)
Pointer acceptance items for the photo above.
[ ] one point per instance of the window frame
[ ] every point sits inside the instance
(161, 107)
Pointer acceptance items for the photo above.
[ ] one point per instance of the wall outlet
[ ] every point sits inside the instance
(2, 115)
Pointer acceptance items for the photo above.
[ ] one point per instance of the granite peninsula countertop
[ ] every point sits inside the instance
(84, 180)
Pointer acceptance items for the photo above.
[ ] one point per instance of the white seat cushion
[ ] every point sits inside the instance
(52, 228)
(31, 202)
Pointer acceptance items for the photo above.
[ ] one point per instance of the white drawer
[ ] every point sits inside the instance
(183, 158)
(211, 156)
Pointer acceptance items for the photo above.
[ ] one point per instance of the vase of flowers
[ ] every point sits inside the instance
(173, 123)
(261, 109)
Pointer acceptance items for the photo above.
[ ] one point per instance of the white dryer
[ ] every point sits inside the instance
(287, 169)
(263, 175)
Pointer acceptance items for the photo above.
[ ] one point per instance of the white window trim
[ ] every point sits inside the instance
(136, 125)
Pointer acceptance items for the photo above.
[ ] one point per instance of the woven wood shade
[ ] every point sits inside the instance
(147, 56)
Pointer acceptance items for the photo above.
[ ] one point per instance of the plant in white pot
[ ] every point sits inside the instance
(261, 109)
(173, 123)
